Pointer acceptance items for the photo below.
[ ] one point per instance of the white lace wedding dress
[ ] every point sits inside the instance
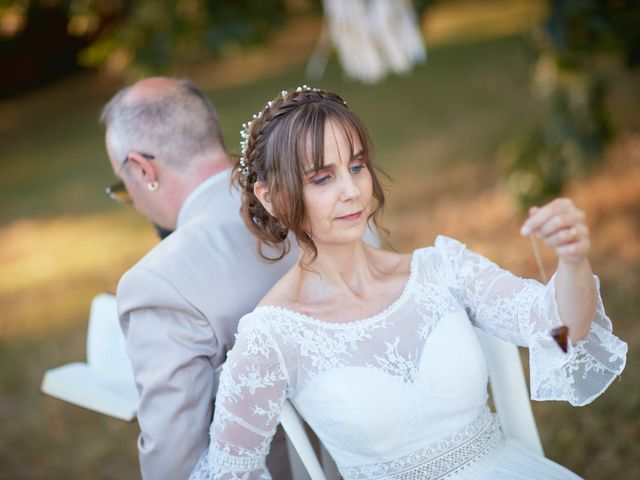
(403, 394)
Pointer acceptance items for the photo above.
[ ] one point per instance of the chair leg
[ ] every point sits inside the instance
(298, 470)
(299, 442)
(328, 465)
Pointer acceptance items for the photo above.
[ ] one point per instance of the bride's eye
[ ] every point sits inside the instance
(356, 168)
(320, 180)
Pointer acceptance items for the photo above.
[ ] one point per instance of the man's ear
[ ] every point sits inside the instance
(144, 167)
(260, 190)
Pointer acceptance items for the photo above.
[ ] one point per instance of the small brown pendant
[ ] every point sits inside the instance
(561, 336)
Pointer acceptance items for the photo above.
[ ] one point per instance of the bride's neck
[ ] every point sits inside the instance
(339, 267)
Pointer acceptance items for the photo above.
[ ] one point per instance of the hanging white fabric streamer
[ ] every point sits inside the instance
(371, 37)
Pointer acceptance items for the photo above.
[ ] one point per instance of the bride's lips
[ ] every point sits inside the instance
(351, 216)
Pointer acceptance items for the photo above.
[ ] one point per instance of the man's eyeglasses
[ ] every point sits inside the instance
(118, 191)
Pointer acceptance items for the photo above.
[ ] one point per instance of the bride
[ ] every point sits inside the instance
(377, 349)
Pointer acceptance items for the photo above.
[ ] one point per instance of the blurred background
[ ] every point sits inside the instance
(518, 101)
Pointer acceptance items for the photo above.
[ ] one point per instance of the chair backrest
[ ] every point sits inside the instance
(106, 347)
(508, 390)
(304, 462)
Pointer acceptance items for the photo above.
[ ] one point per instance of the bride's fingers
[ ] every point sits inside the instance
(539, 216)
(574, 250)
(566, 236)
(562, 226)
(559, 222)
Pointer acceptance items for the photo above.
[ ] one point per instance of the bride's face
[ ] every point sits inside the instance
(337, 198)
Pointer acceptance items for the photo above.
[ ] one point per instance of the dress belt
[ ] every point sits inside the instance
(474, 447)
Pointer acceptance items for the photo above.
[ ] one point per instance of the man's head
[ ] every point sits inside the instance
(163, 139)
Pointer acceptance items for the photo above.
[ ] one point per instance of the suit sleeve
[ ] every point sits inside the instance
(170, 344)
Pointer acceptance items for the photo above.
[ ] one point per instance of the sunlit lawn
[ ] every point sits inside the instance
(436, 132)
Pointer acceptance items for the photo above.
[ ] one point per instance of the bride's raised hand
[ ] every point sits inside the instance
(561, 225)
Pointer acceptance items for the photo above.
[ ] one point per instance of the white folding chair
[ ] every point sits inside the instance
(302, 457)
(508, 390)
(104, 383)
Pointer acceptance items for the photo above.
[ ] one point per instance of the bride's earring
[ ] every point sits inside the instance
(152, 186)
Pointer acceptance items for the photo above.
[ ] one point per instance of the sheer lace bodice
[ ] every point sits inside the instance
(390, 394)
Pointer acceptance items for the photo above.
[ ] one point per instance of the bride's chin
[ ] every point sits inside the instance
(344, 240)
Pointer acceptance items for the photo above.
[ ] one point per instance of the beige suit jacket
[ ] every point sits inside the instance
(179, 307)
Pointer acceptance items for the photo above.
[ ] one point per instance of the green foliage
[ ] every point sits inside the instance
(153, 35)
(566, 143)
(576, 49)
(578, 29)
(156, 33)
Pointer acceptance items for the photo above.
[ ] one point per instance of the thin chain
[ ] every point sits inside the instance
(536, 253)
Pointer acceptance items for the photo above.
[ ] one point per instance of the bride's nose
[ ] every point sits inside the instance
(349, 188)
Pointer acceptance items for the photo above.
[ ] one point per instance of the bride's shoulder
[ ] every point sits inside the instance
(442, 245)
(436, 256)
(281, 293)
(390, 262)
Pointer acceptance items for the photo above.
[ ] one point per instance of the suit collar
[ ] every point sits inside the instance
(212, 186)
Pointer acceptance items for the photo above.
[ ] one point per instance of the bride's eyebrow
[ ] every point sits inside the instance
(356, 156)
(326, 166)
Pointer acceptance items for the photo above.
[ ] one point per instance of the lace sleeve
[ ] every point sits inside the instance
(253, 387)
(523, 312)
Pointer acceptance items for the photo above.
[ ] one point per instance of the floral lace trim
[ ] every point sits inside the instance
(360, 322)
(480, 440)
(204, 470)
(233, 463)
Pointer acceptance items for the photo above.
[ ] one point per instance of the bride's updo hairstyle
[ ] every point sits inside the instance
(277, 145)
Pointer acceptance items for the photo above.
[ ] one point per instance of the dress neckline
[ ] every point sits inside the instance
(351, 323)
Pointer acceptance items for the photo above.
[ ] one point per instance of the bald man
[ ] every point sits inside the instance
(179, 306)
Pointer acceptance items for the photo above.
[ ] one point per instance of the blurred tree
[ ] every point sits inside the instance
(158, 33)
(578, 47)
(42, 40)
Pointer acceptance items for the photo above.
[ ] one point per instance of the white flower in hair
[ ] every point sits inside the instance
(244, 133)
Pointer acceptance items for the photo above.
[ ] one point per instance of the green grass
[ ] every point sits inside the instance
(62, 241)
(58, 166)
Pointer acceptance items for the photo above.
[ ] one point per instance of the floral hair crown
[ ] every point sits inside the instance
(244, 167)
